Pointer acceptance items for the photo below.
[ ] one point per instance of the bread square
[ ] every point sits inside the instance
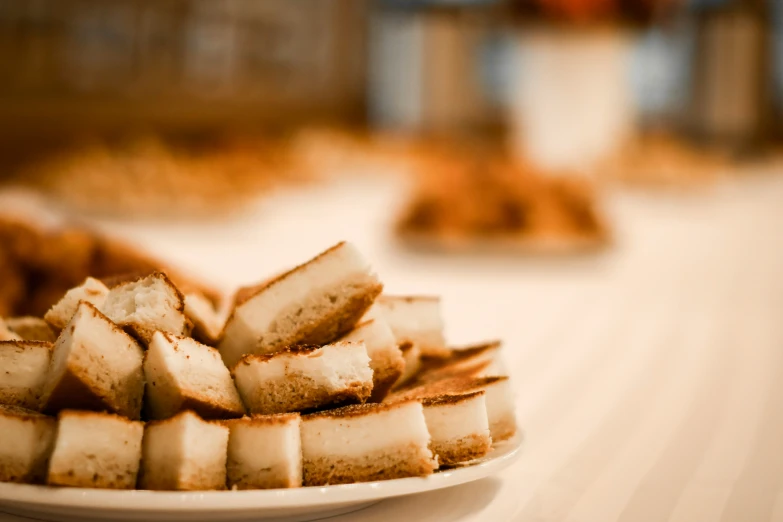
(27, 444)
(146, 305)
(31, 328)
(264, 452)
(315, 303)
(206, 321)
(304, 377)
(23, 369)
(416, 319)
(91, 290)
(458, 427)
(183, 374)
(95, 450)
(95, 366)
(386, 359)
(184, 453)
(411, 355)
(366, 442)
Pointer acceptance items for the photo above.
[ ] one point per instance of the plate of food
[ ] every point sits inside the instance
(316, 395)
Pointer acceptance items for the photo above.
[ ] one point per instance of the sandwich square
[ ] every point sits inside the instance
(95, 366)
(315, 303)
(23, 372)
(148, 304)
(386, 358)
(264, 452)
(305, 377)
(458, 426)
(366, 442)
(91, 290)
(96, 450)
(27, 444)
(416, 319)
(184, 453)
(183, 374)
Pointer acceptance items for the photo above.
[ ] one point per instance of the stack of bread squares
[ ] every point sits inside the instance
(314, 377)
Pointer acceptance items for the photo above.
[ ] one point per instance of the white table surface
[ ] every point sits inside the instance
(649, 379)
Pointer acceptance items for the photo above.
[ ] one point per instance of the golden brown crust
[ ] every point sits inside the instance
(95, 414)
(357, 410)
(405, 346)
(73, 392)
(18, 412)
(456, 385)
(24, 344)
(392, 463)
(173, 418)
(463, 450)
(299, 349)
(264, 420)
(447, 399)
(209, 410)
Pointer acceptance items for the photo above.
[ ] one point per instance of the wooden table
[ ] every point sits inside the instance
(649, 379)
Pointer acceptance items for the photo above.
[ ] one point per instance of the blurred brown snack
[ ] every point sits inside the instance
(38, 266)
(479, 198)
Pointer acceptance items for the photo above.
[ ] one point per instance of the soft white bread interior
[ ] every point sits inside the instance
(315, 303)
(184, 453)
(416, 319)
(206, 321)
(91, 290)
(264, 452)
(31, 328)
(411, 354)
(305, 377)
(95, 366)
(386, 359)
(147, 305)
(96, 450)
(23, 370)
(27, 439)
(183, 374)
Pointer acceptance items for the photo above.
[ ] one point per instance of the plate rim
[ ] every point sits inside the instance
(140, 501)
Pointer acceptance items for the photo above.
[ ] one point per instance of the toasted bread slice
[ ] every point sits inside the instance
(206, 321)
(479, 360)
(91, 290)
(264, 452)
(315, 303)
(458, 426)
(27, 444)
(386, 359)
(499, 399)
(6, 334)
(147, 305)
(183, 374)
(416, 319)
(24, 368)
(184, 453)
(305, 377)
(31, 328)
(95, 366)
(96, 450)
(366, 442)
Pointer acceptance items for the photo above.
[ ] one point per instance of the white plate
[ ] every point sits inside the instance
(72, 504)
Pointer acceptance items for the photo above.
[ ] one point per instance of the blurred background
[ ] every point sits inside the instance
(206, 134)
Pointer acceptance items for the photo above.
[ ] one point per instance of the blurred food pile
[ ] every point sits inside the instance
(468, 200)
(147, 178)
(38, 265)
